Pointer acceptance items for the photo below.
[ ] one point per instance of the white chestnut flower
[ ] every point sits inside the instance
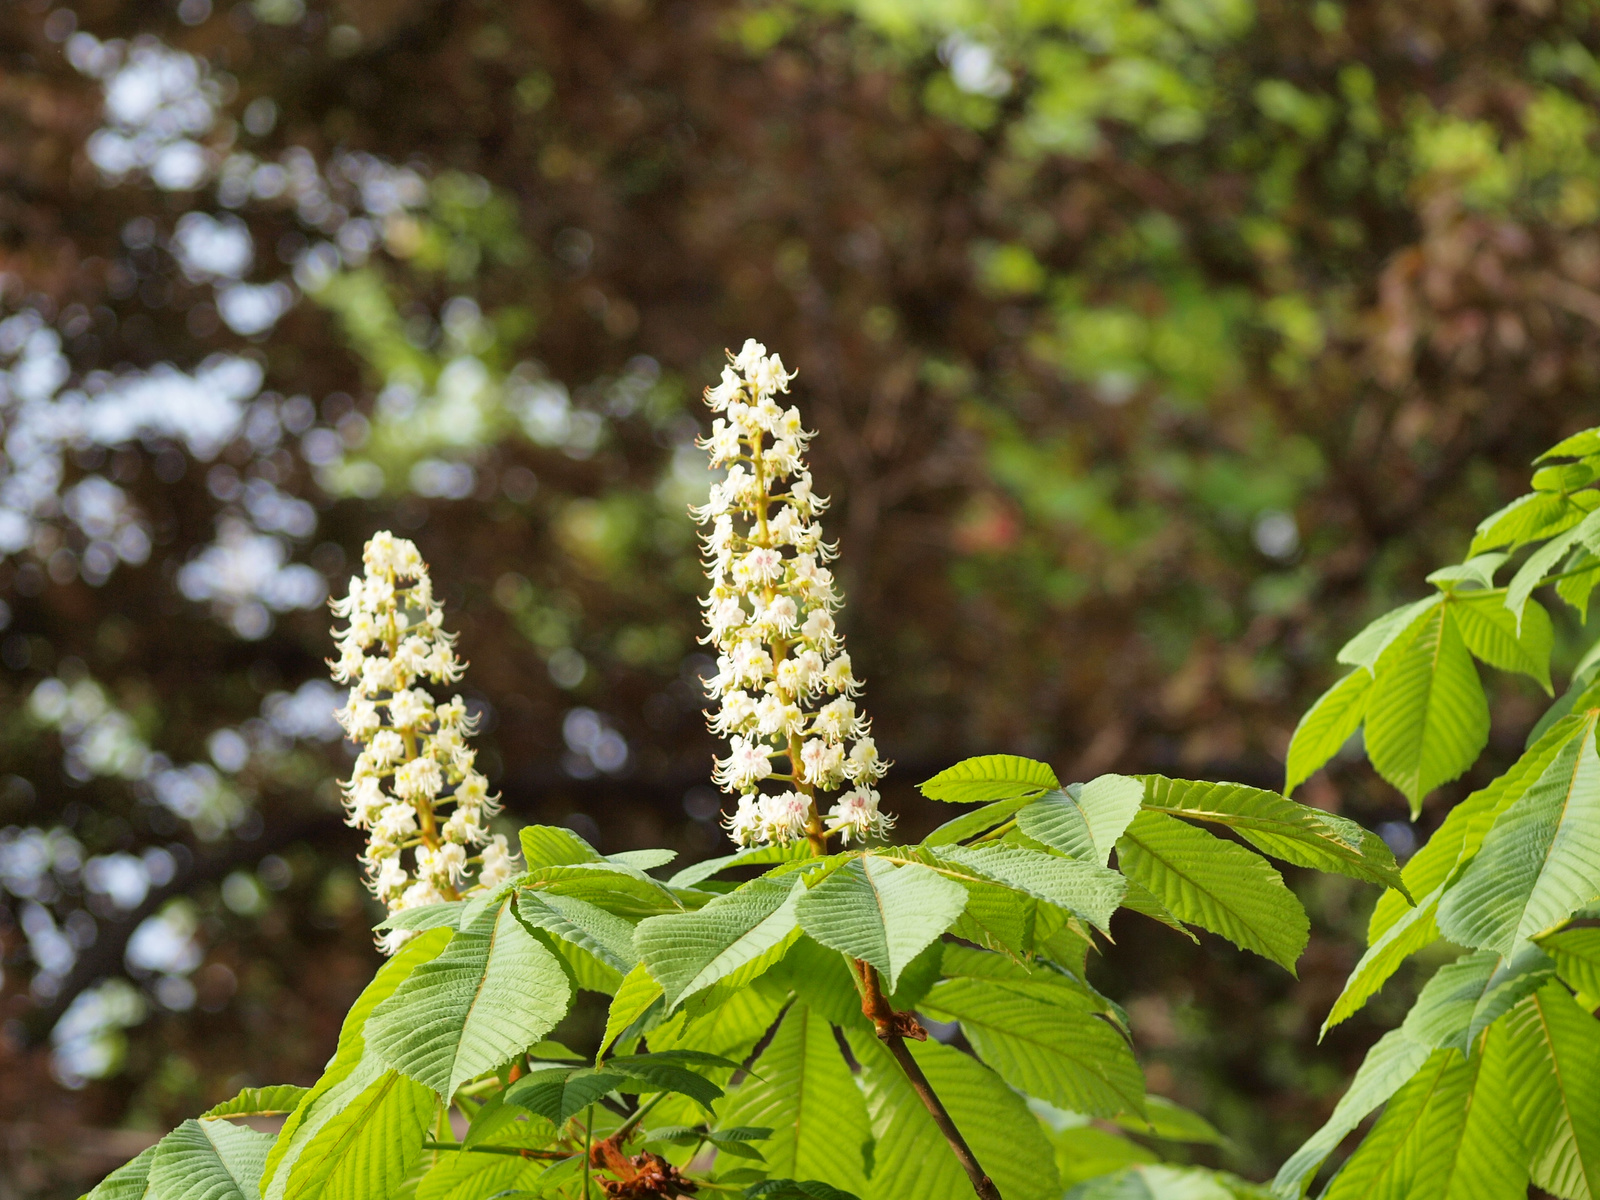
(855, 815)
(414, 786)
(783, 682)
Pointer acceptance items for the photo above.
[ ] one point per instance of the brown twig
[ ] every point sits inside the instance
(893, 1028)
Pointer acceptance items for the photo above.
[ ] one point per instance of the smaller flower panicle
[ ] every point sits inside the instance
(415, 762)
(784, 685)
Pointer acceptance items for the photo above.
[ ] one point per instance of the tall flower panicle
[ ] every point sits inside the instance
(784, 686)
(415, 787)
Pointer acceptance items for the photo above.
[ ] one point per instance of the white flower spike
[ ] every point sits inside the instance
(784, 686)
(415, 761)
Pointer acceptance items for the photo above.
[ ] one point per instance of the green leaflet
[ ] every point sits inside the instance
(209, 1160)
(1412, 1143)
(642, 860)
(1059, 1053)
(872, 909)
(1576, 589)
(1091, 891)
(989, 777)
(561, 1093)
(1514, 979)
(732, 1027)
(1493, 633)
(604, 937)
(1530, 518)
(1084, 1152)
(735, 936)
(1578, 445)
(1554, 1071)
(1577, 957)
(130, 1181)
(1479, 569)
(1159, 1181)
(1173, 1123)
(1539, 863)
(1389, 1064)
(1480, 1156)
(1276, 825)
(426, 916)
(346, 1074)
(979, 820)
(796, 1189)
(1417, 927)
(554, 845)
(367, 1147)
(259, 1102)
(491, 994)
(1085, 820)
(1326, 727)
(1456, 841)
(633, 998)
(1443, 1012)
(1543, 560)
(1368, 646)
(1216, 885)
(755, 856)
(1427, 718)
(615, 887)
(473, 1176)
(913, 1161)
(803, 1091)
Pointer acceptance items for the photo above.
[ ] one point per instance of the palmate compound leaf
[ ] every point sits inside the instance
(802, 1090)
(885, 914)
(307, 1147)
(1047, 1043)
(912, 1161)
(1554, 1072)
(1397, 929)
(1427, 718)
(1091, 891)
(492, 993)
(1084, 821)
(1539, 863)
(733, 938)
(209, 1160)
(1217, 885)
(1276, 825)
(1327, 726)
(989, 777)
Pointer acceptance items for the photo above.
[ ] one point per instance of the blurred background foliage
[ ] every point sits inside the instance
(1154, 346)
